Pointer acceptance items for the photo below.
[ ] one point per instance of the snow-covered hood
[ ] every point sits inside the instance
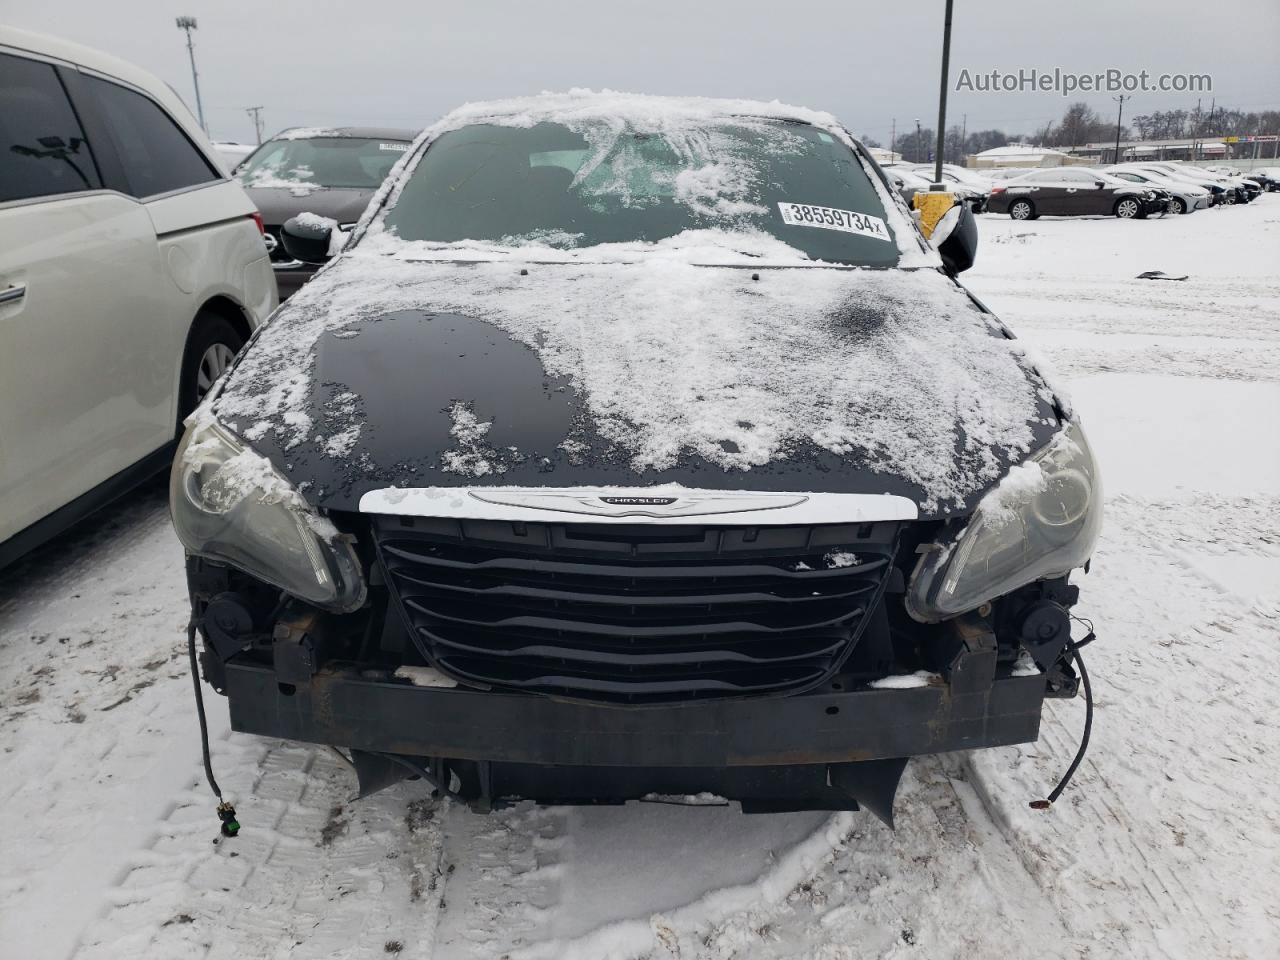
(384, 372)
(278, 204)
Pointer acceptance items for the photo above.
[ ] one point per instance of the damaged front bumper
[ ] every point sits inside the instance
(831, 748)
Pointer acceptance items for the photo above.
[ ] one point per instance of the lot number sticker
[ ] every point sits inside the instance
(830, 218)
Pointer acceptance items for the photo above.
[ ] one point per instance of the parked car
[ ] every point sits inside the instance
(330, 172)
(131, 271)
(1267, 177)
(1220, 193)
(1253, 180)
(231, 153)
(1185, 197)
(1236, 189)
(907, 182)
(966, 185)
(1075, 192)
(631, 445)
(1000, 174)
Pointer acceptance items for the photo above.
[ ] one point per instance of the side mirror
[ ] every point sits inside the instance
(306, 237)
(956, 239)
(1099, 184)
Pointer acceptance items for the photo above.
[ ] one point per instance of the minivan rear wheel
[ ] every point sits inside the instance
(1179, 205)
(1022, 210)
(211, 346)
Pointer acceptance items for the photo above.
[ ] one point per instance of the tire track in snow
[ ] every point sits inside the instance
(503, 873)
(310, 875)
(1173, 801)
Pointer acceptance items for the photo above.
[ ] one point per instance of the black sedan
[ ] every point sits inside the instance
(1076, 192)
(330, 172)
(636, 445)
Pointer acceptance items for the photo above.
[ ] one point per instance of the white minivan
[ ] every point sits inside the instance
(131, 272)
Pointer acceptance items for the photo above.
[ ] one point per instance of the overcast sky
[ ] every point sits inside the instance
(404, 63)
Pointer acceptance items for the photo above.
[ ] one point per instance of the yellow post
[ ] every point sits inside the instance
(932, 205)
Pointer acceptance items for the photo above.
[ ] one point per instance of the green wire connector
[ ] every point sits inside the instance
(227, 814)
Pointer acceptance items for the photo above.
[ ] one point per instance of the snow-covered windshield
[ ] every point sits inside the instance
(604, 182)
(322, 162)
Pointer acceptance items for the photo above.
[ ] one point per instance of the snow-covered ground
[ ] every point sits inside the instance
(1166, 846)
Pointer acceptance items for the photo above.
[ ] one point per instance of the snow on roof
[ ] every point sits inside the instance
(634, 111)
(306, 133)
(1020, 151)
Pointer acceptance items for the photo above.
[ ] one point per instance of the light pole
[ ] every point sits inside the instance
(1120, 99)
(942, 95)
(918, 160)
(188, 24)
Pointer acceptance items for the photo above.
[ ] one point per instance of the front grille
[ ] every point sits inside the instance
(634, 614)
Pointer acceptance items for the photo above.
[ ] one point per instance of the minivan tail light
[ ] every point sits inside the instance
(257, 218)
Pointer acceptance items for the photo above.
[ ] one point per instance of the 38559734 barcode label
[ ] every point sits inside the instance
(831, 218)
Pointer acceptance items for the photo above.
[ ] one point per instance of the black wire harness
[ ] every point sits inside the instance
(1074, 647)
(226, 812)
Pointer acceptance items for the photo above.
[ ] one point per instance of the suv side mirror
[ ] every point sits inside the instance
(1099, 184)
(306, 237)
(956, 239)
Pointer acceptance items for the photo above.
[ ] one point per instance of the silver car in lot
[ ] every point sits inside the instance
(1185, 196)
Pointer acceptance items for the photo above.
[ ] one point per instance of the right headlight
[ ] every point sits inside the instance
(1041, 521)
(229, 504)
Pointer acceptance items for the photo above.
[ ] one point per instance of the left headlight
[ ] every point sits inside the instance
(229, 504)
(1041, 521)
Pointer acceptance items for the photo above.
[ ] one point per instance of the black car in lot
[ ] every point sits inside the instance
(637, 446)
(1076, 192)
(327, 171)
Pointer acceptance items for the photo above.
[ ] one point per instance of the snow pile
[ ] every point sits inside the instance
(296, 179)
(344, 420)
(645, 937)
(231, 473)
(473, 457)
(307, 133)
(315, 221)
(716, 189)
(704, 247)
(907, 681)
(897, 368)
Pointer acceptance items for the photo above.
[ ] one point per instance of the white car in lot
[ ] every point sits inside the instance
(131, 271)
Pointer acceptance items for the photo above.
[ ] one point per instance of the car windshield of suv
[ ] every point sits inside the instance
(322, 162)
(748, 179)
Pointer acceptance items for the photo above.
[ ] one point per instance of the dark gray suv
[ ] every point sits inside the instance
(327, 171)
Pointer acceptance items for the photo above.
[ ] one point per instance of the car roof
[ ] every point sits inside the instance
(639, 110)
(361, 133)
(95, 61)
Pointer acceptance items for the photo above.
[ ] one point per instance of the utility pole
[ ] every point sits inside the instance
(1120, 100)
(188, 24)
(918, 160)
(256, 113)
(964, 137)
(893, 139)
(942, 95)
(1196, 133)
